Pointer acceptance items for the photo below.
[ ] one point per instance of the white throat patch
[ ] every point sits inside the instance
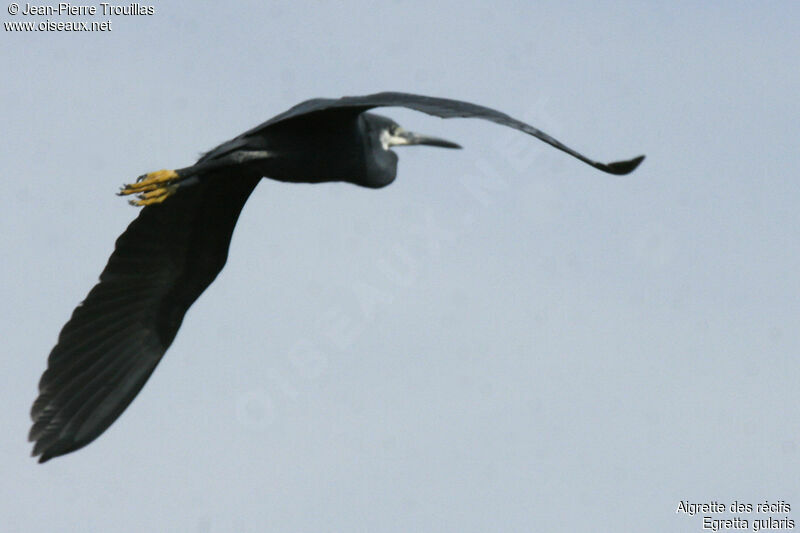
(388, 140)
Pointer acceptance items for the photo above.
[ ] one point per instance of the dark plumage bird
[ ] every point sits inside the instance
(175, 248)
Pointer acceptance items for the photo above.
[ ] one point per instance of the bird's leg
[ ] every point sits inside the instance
(155, 196)
(152, 188)
(155, 187)
(149, 182)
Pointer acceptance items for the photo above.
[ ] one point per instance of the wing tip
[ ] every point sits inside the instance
(40, 457)
(620, 168)
(44, 456)
(39, 452)
(47, 447)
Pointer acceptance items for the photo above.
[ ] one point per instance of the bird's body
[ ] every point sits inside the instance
(179, 243)
(344, 147)
(324, 154)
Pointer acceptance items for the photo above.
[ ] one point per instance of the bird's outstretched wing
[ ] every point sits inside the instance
(165, 259)
(440, 107)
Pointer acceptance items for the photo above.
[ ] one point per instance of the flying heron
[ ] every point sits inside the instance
(179, 243)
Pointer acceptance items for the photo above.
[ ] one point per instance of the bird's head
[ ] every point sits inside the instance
(391, 134)
(381, 134)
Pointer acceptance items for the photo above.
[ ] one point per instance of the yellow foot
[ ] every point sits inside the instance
(155, 196)
(149, 182)
(151, 188)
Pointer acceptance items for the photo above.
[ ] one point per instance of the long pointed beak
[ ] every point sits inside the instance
(408, 138)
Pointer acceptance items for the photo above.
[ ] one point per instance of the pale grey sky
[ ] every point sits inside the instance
(503, 340)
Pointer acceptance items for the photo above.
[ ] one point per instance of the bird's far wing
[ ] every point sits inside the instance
(440, 107)
(116, 337)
